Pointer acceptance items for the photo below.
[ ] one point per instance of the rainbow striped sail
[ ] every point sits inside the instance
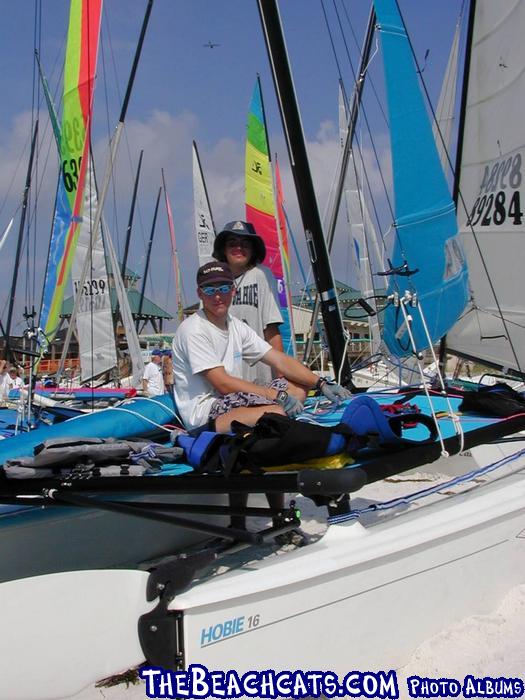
(79, 78)
(260, 206)
(285, 253)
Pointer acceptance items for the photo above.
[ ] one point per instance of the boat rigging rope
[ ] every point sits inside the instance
(355, 514)
(408, 298)
(148, 420)
(121, 408)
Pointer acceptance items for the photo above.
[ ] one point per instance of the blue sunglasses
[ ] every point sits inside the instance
(211, 291)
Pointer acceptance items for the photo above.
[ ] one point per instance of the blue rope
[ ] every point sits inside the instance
(405, 500)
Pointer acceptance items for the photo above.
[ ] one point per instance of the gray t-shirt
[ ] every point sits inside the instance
(255, 303)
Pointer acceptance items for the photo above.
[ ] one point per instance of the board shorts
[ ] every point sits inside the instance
(242, 399)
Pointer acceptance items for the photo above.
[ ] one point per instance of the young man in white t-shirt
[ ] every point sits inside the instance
(208, 352)
(209, 349)
(152, 379)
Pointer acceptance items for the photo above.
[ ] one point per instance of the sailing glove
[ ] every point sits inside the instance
(292, 406)
(332, 391)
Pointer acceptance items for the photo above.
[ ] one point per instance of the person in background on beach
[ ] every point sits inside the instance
(4, 375)
(208, 353)
(167, 371)
(254, 302)
(10, 380)
(152, 380)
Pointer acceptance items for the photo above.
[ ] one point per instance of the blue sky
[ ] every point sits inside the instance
(185, 91)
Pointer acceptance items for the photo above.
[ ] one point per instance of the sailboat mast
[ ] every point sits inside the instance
(293, 130)
(131, 216)
(442, 355)
(148, 255)
(345, 158)
(20, 238)
(174, 254)
(464, 95)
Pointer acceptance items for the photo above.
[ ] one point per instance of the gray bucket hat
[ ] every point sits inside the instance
(242, 229)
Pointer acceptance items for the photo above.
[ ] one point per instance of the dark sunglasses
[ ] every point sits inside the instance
(238, 243)
(211, 291)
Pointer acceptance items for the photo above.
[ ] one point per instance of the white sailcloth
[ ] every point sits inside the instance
(132, 339)
(204, 226)
(362, 231)
(447, 102)
(96, 337)
(492, 187)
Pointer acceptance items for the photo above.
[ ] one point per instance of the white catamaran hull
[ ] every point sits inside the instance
(364, 598)
(359, 598)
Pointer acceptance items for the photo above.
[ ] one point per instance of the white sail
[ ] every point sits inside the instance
(132, 339)
(204, 226)
(94, 321)
(446, 105)
(362, 230)
(492, 188)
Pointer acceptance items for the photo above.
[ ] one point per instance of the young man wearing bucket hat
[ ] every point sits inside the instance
(208, 353)
(255, 297)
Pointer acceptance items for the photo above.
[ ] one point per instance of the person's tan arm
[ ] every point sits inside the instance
(273, 336)
(290, 368)
(224, 383)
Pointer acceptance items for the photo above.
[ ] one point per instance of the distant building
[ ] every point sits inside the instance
(355, 321)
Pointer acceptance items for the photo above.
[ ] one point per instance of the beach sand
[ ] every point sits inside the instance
(482, 645)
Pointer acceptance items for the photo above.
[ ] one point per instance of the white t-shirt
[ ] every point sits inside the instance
(255, 303)
(153, 375)
(199, 345)
(7, 383)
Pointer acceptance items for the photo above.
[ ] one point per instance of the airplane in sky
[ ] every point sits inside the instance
(210, 45)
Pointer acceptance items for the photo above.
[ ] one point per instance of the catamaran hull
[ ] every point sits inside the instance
(71, 539)
(360, 598)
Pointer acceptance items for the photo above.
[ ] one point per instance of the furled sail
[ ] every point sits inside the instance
(95, 331)
(491, 184)
(427, 259)
(260, 204)
(174, 256)
(204, 226)
(79, 77)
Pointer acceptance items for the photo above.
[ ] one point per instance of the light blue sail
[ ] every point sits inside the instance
(426, 227)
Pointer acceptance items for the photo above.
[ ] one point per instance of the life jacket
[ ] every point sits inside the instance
(274, 441)
(277, 441)
(384, 424)
(91, 457)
